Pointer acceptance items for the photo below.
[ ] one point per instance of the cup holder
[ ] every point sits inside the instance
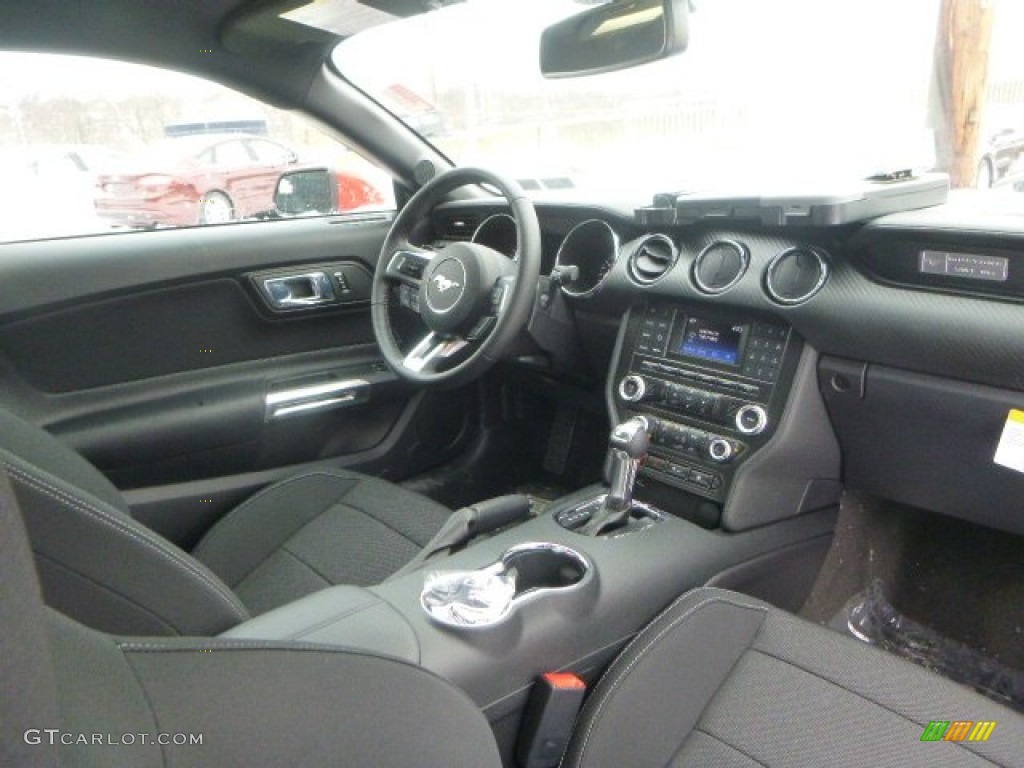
(488, 596)
(544, 567)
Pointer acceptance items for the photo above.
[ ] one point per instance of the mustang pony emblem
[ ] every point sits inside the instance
(443, 283)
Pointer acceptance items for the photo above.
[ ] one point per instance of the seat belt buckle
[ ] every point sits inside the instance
(549, 718)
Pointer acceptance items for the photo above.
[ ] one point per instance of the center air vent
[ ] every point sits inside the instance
(651, 259)
(720, 266)
(795, 275)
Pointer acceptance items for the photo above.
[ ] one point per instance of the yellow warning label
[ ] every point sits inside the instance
(1010, 451)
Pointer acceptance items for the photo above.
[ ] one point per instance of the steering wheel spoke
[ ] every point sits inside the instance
(497, 302)
(432, 352)
(407, 264)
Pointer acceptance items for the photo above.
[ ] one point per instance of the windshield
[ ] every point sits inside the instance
(789, 92)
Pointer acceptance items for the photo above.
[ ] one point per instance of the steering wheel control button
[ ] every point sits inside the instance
(410, 266)
(498, 294)
(751, 419)
(409, 298)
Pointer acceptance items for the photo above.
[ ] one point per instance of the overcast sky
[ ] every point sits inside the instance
(491, 36)
(815, 73)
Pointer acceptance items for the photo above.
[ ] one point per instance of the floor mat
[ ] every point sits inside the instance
(870, 617)
(964, 581)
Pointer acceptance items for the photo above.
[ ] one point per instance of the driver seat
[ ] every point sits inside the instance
(103, 568)
(74, 696)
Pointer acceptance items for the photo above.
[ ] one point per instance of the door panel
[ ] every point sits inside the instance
(153, 333)
(43, 275)
(154, 355)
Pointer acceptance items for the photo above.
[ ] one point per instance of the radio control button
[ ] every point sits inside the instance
(720, 450)
(751, 419)
(703, 479)
(675, 396)
(659, 312)
(656, 463)
(632, 388)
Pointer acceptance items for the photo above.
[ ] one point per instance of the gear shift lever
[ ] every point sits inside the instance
(628, 442)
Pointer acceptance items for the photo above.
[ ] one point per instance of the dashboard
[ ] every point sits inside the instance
(891, 346)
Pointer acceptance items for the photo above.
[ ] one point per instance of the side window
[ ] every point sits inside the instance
(117, 147)
(231, 154)
(269, 153)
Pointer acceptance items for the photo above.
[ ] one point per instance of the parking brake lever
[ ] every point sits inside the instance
(468, 522)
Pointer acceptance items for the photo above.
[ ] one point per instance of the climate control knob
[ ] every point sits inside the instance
(751, 419)
(720, 450)
(632, 388)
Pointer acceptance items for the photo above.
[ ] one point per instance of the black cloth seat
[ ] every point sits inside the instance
(721, 679)
(317, 530)
(718, 679)
(73, 696)
(101, 567)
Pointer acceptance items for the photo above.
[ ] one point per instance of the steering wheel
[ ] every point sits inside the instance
(473, 300)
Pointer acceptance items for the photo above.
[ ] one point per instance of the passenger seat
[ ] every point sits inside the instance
(721, 679)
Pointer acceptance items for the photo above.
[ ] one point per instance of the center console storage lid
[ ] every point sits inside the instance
(349, 617)
(816, 207)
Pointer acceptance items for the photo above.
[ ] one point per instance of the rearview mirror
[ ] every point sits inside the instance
(621, 34)
(306, 192)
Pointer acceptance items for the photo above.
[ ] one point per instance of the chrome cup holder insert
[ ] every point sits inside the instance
(490, 595)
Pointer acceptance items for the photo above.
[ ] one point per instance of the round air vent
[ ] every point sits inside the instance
(651, 259)
(720, 266)
(795, 275)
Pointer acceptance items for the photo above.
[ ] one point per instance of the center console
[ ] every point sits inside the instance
(566, 589)
(704, 403)
(576, 601)
(712, 385)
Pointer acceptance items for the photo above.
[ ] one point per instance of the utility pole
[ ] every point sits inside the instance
(961, 60)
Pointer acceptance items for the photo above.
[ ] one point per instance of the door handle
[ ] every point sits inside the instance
(315, 397)
(294, 291)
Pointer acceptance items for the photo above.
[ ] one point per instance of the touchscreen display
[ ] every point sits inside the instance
(709, 340)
